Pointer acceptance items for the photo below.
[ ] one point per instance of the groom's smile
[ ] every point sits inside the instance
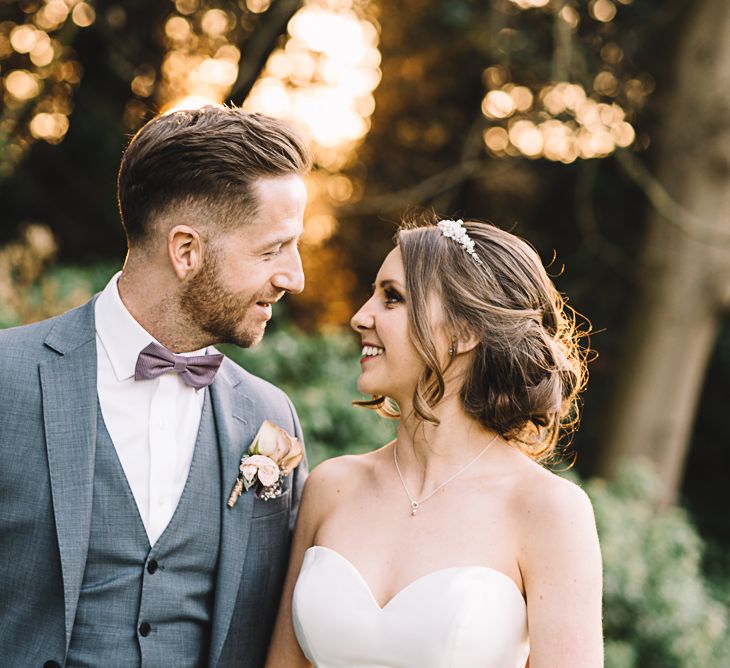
(246, 270)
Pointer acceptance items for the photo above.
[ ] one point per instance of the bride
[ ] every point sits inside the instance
(452, 545)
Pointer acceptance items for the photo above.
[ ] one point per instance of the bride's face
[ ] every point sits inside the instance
(390, 364)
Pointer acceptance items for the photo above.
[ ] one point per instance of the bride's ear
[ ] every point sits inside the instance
(464, 342)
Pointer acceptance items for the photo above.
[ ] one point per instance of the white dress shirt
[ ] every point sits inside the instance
(152, 423)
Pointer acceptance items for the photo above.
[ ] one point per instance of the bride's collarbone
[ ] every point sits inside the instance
(447, 515)
(376, 532)
(472, 507)
(390, 553)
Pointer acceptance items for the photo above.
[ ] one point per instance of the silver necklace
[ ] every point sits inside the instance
(416, 504)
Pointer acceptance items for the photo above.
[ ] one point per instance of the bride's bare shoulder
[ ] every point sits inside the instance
(329, 483)
(346, 471)
(551, 512)
(540, 495)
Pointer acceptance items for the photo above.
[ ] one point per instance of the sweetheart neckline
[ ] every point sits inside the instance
(384, 607)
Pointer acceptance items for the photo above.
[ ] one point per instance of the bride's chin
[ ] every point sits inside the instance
(365, 387)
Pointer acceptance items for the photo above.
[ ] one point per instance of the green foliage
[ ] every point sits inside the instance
(92, 278)
(31, 288)
(659, 609)
(319, 373)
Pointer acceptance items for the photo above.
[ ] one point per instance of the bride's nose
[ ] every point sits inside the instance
(363, 319)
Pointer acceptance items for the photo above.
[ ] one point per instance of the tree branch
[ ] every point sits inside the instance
(562, 47)
(585, 218)
(426, 189)
(664, 204)
(260, 46)
(471, 151)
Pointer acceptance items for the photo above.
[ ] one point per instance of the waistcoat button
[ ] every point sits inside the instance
(144, 629)
(152, 566)
(51, 664)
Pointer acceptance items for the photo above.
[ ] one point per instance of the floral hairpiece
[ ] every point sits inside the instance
(454, 229)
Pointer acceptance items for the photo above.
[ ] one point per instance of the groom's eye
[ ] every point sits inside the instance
(273, 251)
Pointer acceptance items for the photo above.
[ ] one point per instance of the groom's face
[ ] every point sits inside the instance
(247, 269)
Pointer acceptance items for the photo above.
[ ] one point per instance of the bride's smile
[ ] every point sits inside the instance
(390, 364)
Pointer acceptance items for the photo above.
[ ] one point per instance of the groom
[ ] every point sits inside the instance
(117, 547)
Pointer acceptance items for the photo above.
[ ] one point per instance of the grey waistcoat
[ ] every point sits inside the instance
(141, 605)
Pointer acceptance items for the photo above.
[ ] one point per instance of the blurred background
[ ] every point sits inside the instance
(598, 130)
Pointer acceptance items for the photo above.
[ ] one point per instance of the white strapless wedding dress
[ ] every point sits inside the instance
(462, 617)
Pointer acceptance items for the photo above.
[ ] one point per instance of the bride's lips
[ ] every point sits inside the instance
(369, 358)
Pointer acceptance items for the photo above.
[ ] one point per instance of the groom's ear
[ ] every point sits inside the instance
(185, 250)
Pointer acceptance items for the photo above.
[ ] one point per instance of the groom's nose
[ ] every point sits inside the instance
(290, 276)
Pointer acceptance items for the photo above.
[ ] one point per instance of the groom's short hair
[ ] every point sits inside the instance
(206, 161)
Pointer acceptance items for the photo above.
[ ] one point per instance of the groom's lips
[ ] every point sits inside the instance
(265, 308)
(266, 304)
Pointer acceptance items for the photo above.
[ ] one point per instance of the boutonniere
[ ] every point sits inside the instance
(272, 456)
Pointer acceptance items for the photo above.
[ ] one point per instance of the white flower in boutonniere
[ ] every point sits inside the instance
(271, 457)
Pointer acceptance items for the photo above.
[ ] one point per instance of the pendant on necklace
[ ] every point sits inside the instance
(414, 507)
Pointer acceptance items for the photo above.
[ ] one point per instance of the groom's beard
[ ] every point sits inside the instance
(225, 316)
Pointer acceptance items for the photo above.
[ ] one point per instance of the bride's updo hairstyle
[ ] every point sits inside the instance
(528, 368)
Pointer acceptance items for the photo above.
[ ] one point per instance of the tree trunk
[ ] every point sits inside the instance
(685, 273)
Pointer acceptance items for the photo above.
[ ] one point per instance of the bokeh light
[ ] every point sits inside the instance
(525, 136)
(38, 74)
(602, 10)
(324, 78)
(566, 120)
(199, 66)
(496, 139)
(22, 85)
(498, 104)
(530, 4)
(24, 38)
(51, 127)
(215, 23)
(83, 15)
(577, 126)
(143, 83)
(258, 6)
(570, 16)
(186, 6)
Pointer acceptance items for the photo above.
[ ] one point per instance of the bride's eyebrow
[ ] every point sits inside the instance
(387, 283)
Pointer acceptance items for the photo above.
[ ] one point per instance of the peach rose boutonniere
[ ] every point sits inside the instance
(271, 457)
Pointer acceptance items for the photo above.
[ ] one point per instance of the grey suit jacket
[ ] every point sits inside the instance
(48, 411)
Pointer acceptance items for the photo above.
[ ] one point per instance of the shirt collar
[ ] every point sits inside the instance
(122, 337)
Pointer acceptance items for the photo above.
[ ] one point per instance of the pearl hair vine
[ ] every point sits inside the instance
(454, 229)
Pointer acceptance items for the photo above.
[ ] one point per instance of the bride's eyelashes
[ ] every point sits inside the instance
(392, 296)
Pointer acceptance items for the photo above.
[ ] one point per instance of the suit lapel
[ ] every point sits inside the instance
(70, 404)
(236, 423)
(68, 386)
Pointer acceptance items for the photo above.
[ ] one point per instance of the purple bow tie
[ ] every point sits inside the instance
(196, 372)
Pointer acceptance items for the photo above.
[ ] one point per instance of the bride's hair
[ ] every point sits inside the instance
(529, 366)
